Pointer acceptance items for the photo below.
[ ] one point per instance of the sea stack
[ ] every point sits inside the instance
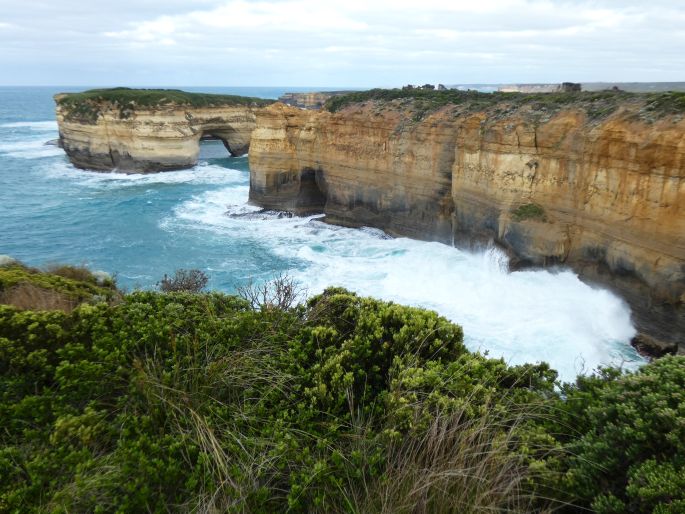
(144, 131)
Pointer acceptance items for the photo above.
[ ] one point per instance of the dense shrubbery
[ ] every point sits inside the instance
(597, 104)
(201, 402)
(630, 452)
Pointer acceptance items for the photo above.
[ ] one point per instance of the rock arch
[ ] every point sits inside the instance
(237, 142)
(150, 140)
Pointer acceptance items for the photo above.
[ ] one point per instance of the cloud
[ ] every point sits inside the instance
(352, 42)
(293, 16)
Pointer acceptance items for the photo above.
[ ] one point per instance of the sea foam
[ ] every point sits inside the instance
(524, 316)
(42, 126)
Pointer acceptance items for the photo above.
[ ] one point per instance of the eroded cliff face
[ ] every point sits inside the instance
(602, 194)
(312, 100)
(151, 139)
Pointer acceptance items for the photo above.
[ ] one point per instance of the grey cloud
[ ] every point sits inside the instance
(353, 43)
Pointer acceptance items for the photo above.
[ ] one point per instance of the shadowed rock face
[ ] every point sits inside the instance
(152, 139)
(604, 196)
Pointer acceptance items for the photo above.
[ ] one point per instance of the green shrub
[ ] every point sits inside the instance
(529, 211)
(203, 402)
(628, 455)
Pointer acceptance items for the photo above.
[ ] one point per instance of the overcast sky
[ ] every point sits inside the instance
(321, 43)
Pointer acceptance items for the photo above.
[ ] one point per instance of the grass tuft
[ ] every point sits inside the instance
(26, 296)
(529, 211)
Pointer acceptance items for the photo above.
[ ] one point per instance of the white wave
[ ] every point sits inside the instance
(202, 174)
(42, 126)
(524, 316)
(29, 149)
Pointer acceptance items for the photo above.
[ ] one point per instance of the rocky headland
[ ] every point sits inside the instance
(144, 131)
(594, 181)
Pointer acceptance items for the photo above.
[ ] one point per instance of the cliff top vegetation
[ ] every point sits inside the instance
(597, 104)
(61, 287)
(87, 103)
(159, 402)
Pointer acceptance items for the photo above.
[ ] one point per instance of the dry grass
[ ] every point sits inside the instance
(281, 293)
(184, 280)
(457, 465)
(217, 377)
(461, 463)
(80, 273)
(27, 296)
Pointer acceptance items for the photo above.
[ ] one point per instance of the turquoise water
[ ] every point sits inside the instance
(143, 226)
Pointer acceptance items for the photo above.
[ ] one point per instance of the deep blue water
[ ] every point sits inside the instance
(143, 226)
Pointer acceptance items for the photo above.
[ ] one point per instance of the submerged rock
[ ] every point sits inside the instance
(263, 214)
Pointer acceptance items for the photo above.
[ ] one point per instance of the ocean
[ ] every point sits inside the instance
(140, 227)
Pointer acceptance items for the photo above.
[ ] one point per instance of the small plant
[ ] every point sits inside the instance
(529, 211)
(283, 293)
(186, 280)
(629, 453)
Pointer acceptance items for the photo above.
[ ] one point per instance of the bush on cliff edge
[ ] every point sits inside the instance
(201, 402)
(197, 401)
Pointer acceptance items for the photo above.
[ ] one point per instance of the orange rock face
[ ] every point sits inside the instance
(604, 195)
(152, 139)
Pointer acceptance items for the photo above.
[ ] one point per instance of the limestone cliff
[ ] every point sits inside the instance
(311, 100)
(149, 130)
(592, 182)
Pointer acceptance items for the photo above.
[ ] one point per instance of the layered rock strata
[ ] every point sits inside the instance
(313, 100)
(150, 138)
(601, 192)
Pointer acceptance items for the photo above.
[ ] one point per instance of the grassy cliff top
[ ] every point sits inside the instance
(59, 287)
(85, 105)
(598, 104)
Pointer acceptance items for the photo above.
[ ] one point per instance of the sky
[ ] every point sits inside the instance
(351, 43)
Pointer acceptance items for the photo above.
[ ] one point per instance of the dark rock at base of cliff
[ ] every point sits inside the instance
(262, 214)
(651, 347)
(122, 162)
(301, 193)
